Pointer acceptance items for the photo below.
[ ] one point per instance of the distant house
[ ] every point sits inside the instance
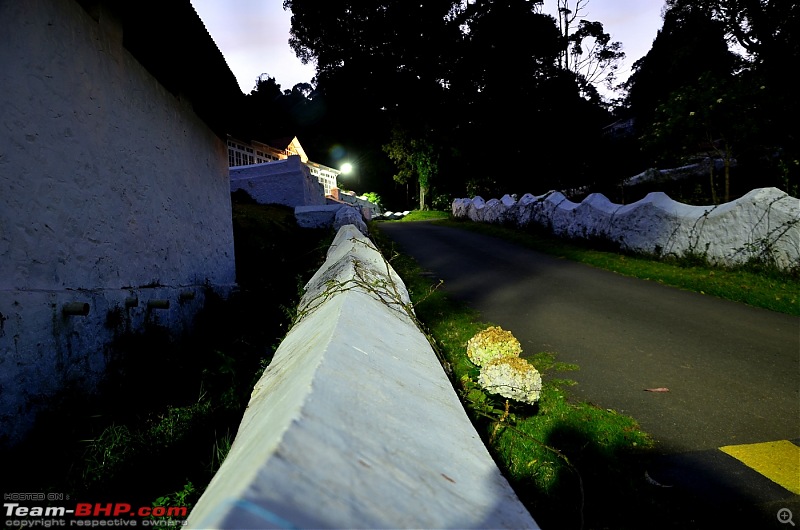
(248, 153)
(619, 129)
(241, 153)
(115, 210)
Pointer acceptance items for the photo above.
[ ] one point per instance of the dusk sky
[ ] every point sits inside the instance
(253, 35)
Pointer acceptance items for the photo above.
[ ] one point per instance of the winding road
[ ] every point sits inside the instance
(732, 371)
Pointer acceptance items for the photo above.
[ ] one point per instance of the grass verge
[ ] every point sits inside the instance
(566, 460)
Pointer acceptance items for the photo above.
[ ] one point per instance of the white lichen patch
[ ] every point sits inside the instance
(513, 378)
(492, 343)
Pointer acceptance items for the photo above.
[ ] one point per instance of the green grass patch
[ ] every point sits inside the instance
(423, 215)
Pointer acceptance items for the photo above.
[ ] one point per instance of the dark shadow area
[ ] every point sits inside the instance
(707, 489)
(162, 420)
(616, 488)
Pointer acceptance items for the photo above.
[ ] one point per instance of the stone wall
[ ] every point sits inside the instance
(763, 225)
(355, 424)
(288, 182)
(115, 197)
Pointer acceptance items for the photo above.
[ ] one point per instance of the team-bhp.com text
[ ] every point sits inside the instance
(90, 514)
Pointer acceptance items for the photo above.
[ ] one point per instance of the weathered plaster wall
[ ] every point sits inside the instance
(764, 224)
(112, 189)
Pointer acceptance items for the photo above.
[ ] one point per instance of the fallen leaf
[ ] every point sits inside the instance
(659, 389)
(650, 480)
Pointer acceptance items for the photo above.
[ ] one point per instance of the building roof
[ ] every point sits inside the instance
(291, 145)
(281, 143)
(169, 39)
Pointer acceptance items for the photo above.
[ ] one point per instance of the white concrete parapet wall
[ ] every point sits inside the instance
(330, 215)
(762, 225)
(355, 424)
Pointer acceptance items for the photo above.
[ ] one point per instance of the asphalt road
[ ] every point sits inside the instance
(733, 371)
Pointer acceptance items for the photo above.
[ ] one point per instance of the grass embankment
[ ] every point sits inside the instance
(573, 464)
(170, 409)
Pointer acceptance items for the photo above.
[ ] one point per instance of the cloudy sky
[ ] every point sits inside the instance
(253, 35)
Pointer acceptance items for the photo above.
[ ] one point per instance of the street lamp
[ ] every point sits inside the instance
(347, 169)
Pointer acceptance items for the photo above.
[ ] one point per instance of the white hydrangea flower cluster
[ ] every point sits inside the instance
(513, 378)
(503, 371)
(492, 343)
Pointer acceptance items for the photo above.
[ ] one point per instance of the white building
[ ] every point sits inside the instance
(241, 153)
(288, 182)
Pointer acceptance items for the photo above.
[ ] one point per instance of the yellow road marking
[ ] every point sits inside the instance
(778, 461)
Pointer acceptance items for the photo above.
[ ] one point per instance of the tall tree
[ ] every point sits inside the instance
(769, 32)
(716, 118)
(741, 105)
(416, 160)
(272, 113)
(691, 43)
(374, 47)
(374, 67)
(465, 78)
(587, 50)
(515, 101)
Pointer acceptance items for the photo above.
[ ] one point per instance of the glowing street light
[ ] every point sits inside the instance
(347, 167)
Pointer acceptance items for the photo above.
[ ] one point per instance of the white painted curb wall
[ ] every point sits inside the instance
(763, 224)
(355, 424)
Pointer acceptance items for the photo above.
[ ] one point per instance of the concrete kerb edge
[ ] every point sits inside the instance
(282, 394)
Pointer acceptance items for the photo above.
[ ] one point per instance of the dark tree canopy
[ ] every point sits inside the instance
(690, 43)
(693, 96)
(443, 81)
(461, 97)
